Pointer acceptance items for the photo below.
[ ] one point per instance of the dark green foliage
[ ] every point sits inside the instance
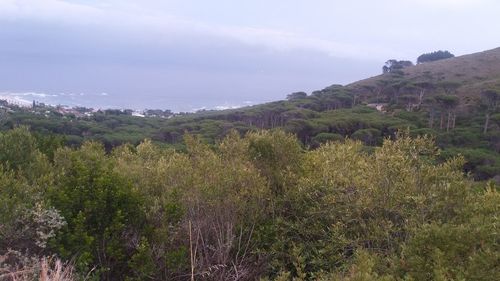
(395, 66)
(18, 149)
(19, 152)
(419, 105)
(142, 263)
(490, 103)
(449, 87)
(318, 187)
(368, 136)
(326, 137)
(100, 208)
(20, 205)
(296, 96)
(434, 56)
(481, 163)
(258, 206)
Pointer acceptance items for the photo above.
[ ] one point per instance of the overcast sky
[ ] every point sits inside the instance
(148, 53)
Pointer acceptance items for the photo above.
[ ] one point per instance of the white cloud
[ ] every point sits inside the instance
(50, 10)
(449, 3)
(132, 18)
(360, 36)
(280, 40)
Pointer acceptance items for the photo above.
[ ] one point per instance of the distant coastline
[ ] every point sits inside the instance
(104, 101)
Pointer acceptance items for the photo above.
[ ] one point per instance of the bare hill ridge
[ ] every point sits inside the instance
(467, 75)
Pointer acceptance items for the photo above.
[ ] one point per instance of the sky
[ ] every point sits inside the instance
(186, 55)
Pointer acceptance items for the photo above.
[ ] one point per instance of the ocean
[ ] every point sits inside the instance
(110, 101)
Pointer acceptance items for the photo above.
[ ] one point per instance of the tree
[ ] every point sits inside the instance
(409, 96)
(448, 104)
(490, 100)
(19, 153)
(423, 88)
(434, 56)
(368, 136)
(396, 89)
(392, 65)
(381, 86)
(385, 69)
(296, 96)
(432, 107)
(277, 155)
(101, 210)
(327, 137)
(449, 87)
(302, 128)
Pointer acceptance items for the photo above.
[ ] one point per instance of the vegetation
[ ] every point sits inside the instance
(454, 100)
(318, 187)
(244, 208)
(395, 65)
(434, 56)
(460, 126)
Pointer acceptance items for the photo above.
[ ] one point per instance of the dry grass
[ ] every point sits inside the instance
(474, 72)
(46, 269)
(55, 272)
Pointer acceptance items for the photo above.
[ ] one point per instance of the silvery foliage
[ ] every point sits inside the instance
(46, 222)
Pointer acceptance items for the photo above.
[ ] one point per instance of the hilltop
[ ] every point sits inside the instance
(474, 71)
(464, 76)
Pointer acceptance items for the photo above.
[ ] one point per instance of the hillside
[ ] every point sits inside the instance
(466, 76)
(317, 187)
(476, 69)
(441, 98)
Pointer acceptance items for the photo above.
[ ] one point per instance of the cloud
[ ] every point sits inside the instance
(193, 49)
(280, 40)
(450, 6)
(161, 26)
(449, 3)
(50, 10)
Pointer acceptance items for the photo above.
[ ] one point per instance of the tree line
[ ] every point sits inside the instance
(394, 65)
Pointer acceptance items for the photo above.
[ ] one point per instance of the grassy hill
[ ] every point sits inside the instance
(475, 70)
(466, 76)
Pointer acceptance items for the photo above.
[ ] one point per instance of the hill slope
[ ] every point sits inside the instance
(441, 98)
(467, 75)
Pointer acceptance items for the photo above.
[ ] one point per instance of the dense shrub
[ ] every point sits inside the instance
(245, 208)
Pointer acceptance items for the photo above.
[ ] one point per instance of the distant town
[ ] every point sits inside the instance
(12, 105)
